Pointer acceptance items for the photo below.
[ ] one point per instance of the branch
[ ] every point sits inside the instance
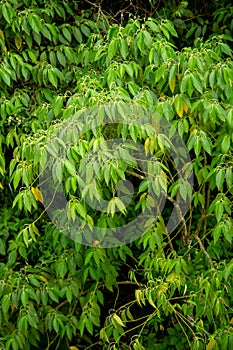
(204, 251)
(195, 235)
(185, 237)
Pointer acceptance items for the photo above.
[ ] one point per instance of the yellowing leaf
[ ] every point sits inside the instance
(44, 279)
(12, 306)
(172, 85)
(138, 296)
(1, 186)
(147, 145)
(161, 327)
(210, 345)
(178, 104)
(118, 320)
(179, 111)
(193, 132)
(172, 277)
(142, 196)
(73, 348)
(140, 73)
(185, 107)
(18, 41)
(179, 76)
(3, 39)
(37, 194)
(150, 300)
(2, 35)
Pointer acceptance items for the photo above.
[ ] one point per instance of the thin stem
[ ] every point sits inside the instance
(184, 237)
(204, 251)
(196, 236)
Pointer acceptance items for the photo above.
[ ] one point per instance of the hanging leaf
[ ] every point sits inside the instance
(172, 85)
(18, 41)
(178, 104)
(112, 49)
(86, 31)
(37, 194)
(118, 320)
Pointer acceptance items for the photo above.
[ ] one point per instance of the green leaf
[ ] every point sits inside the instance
(172, 73)
(212, 79)
(123, 48)
(12, 257)
(89, 326)
(57, 105)
(62, 269)
(25, 236)
(56, 325)
(66, 33)
(44, 297)
(69, 295)
(220, 177)
(69, 53)
(61, 58)
(228, 271)
(191, 31)
(153, 26)
(206, 143)
(2, 247)
(197, 83)
(226, 49)
(170, 27)
(165, 31)
(112, 48)
(228, 235)
(24, 297)
(220, 111)
(111, 79)
(217, 233)
(147, 39)
(77, 34)
(140, 41)
(8, 12)
(5, 77)
(52, 77)
(226, 142)
(46, 32)
(190, 86)
(70, 168)
(86, 31)
(35, 23)
(52, 295)
(120, 205)
(5, 302)
(53, 58)
(229, 178)
(129, 69)
(159, 72)
(197, 146)
(219, 210)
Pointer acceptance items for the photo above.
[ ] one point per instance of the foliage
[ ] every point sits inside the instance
(165, 290)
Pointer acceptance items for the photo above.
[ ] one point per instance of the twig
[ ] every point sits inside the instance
(204, 251)
(196, 236)
(185, 238)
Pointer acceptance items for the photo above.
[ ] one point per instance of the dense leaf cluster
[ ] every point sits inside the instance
(62, 60)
